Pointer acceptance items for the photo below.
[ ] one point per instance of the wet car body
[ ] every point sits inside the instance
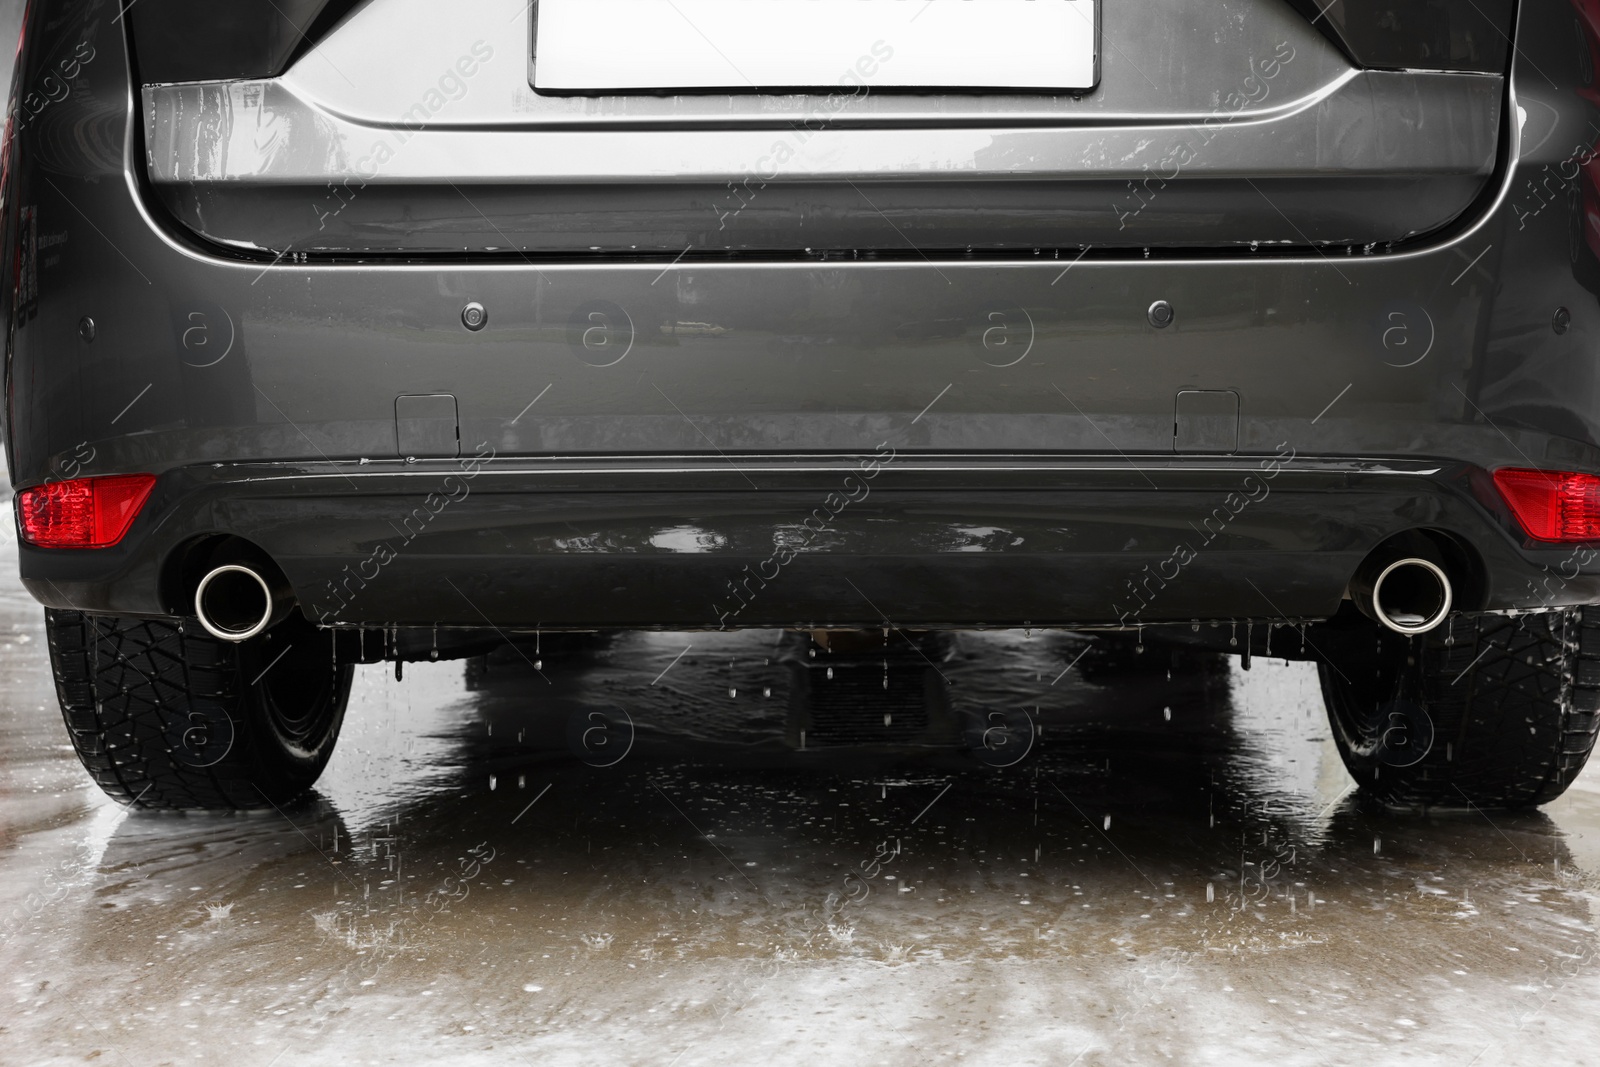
(663, 839)
(946, 386)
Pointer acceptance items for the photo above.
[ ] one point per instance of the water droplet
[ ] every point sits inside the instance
(1211, 893)
(1107, 823)
(492, 783)
(732, 692)
(830, 674)
(1166, 713)
(766, 691)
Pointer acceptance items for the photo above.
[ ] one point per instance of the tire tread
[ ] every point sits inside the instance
(126, 688)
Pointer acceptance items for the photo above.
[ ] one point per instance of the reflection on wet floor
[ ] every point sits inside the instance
(681, 848)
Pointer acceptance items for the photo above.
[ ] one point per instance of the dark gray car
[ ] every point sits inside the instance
(345, 331)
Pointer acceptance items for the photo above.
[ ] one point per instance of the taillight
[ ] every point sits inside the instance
(1552, 505)
(82, 512)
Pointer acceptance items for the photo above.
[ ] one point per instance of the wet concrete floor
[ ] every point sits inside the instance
(626, 856)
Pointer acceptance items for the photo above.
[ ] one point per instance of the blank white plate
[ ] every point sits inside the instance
(600, 46)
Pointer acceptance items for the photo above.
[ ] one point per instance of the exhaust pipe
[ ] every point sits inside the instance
(1409, 595)
(235, 603)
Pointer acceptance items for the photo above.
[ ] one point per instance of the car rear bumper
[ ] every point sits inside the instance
(660, 422)
(886, 538)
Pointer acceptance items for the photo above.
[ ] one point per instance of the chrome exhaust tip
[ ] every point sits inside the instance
(1411, 596)
(235, 603)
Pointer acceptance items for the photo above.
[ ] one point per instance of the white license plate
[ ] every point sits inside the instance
(631, 46)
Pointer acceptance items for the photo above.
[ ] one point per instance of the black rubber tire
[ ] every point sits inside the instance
(163, 715)
(1486, 711)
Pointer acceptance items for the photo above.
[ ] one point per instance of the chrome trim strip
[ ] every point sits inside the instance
(264, 132)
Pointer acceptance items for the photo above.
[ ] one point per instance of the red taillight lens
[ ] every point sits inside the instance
(1552, 505)
(83, 512)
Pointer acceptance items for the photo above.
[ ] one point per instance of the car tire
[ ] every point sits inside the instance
(162, 715)
(1487, 711)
